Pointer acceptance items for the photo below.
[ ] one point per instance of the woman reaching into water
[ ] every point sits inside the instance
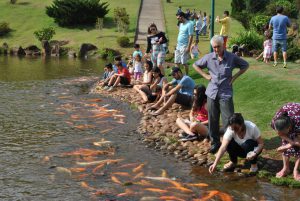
(286, 122)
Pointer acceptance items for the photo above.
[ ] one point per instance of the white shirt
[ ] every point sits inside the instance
(252, 132)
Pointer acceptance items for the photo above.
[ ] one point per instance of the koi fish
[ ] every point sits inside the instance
(69, 123)
(164, 173)
(225, 196)
(59, 113)
(107, 161)
(128, 165)
(84, 126)
(175, 183)
(74, 116)
(209, 196)
(77, 169)
(138, 168)
(156, 190)
(94, 171)
(106, 130)
(116, 180)
(87, 152)
(94, 100)
(144, 183)
(172, 198)
(125, 174)
(127, 192)
(46, 159)
(182, 189)
(88, 187)
(159, 178)
(119, 115)
(141, 174)
(112, 110)
(199, 185)
(99, 144)
(81, 176)
(106, 105)
(63, 170)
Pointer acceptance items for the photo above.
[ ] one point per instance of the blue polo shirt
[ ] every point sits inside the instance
(187, 85)
(185, 31)
(279, 23)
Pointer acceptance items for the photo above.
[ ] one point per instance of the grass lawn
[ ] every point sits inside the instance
(27, 16)
(170, 10)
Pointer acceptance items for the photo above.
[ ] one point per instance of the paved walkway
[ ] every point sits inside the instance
(151, 11)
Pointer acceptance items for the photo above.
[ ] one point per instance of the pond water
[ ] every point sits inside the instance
(59, 142)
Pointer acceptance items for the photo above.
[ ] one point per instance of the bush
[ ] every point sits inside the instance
(45, 33)
(243, 17)
(251, 40)
(108, 53)
(293, 53)
(4, 28)
(121, 18)
(289, 8)
(258, 22)
(123, 41)
(76, 12)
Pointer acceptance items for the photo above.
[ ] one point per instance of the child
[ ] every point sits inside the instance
(130, 65)
(198, 118)
(195, 50)
(108, 73)
(137, 66)
(137, 51)
(286, 123)
(267, 47)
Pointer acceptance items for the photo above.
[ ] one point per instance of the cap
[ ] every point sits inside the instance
(175, 70)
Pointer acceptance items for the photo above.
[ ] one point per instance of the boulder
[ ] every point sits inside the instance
(46, 48)
(84, 48)
(72, 54)
(17, 51)
(32, 50)
(5, 48)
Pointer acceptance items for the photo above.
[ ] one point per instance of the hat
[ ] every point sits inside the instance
(174, 70)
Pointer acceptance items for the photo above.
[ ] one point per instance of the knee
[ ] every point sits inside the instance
(193, 126)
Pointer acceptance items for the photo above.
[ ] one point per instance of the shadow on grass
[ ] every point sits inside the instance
(109, 23)
(23, 3)
(272, 143)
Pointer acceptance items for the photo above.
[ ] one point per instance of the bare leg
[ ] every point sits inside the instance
(140, 89)
(160, 100)
(200, 129)
(162, 69)
(259, 56)
(112, 80)
(117, 81)
(286, 167)
(168, 104)
(181, 124)
(275, 57)
(296, 172)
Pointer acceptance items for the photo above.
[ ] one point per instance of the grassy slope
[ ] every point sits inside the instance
(26, 16)
(261, 90)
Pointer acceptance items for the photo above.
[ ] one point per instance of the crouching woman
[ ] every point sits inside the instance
(241, 139)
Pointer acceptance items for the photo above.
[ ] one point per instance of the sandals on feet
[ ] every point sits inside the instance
(229, 167)
(282, 174)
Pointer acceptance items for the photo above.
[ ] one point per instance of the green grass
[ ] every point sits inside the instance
(27, 16)
(170, 10)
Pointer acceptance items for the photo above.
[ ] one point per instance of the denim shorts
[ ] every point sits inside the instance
(276, 43)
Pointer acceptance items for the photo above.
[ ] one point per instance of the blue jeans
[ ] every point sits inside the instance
(215, 108)
(277, 43)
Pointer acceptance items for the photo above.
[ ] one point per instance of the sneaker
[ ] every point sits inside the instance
(275, 64)
(189, 138)
(284, 65)
(253, 169)
(106, 87)
(183, 135)
(111, 89)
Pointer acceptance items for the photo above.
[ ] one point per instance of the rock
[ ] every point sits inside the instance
(85, 48)
(32, 50)
(5, 48)
(297, 61)
(72, 54)
(17, 51)
(46, 48)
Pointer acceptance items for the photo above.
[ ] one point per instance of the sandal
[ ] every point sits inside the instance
(282, 173)
(297, 177)
(229, 167)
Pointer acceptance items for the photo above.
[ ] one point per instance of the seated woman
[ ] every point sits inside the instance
(122, 77)
(147, 76)
(241, 139)
(198, 117)
(150, 93)
(286, 122)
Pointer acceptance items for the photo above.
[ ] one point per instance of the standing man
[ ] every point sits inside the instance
(225, 26)
(184, 41)
(220, 65)
(279, 23)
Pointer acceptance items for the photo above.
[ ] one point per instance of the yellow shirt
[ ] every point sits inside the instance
(225, 26)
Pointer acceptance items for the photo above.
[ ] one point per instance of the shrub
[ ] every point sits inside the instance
(13, 1)
(76, 12)
(45, 33)
(251, 39)
(123, 41)
(108, 53)
(289, 8)
(293, 53)
(258, 22)
(121, 18)
(243, 17)
(4, 28)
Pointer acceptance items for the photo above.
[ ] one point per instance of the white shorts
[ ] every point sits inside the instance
(181, 57)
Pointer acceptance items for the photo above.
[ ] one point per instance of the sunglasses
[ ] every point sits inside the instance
(152, 29)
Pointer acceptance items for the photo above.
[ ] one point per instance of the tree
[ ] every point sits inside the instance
(121, 18)
(13, 1)
(44, 34)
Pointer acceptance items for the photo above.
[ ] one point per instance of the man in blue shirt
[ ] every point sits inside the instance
(182, 92)
(279, 23)
(220, 65)
(184, 41)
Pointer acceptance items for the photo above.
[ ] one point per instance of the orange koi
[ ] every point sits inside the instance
(94, 100)
(81, 176)
(69, 123)
(74, 116)
(175, 183)
(98, 168)
(199, 185)
(138, 168)
(100, 115)
(144, 183)
(87, 152)
(46, 159)
(77, 169)
(171, 198)
(182, 189)
(125, 174)
(89, 158)
(225, 196)
(128, 165)
(85, 185)
(156, 190)
(106, 130)
(107, 161)
(209, 196)
(141, 174)
(84, 126)
(164, 173)
(127, 192)
(116, 180)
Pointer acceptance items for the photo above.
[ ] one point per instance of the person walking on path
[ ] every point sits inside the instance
(225, 26)
(184, 41)
(220, 65)
(279, 23)
(286, 122)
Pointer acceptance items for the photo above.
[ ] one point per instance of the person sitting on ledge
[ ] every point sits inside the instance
(241, 139)
(122, 77)
(198, 117)
(182, 93)
(108, 73)
(151, 93)
(287, 124)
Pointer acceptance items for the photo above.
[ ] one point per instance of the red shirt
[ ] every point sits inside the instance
(125, 73)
